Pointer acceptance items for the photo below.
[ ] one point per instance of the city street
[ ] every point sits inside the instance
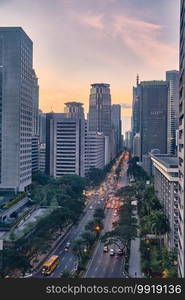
(101, 264)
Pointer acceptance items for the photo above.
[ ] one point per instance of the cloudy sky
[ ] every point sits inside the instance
(78, 42)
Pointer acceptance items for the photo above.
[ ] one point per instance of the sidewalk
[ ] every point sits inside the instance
(135, 257)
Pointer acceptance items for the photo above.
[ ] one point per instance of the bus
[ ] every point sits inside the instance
(50, 265)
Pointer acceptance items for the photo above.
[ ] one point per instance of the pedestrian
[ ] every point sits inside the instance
(135, 274)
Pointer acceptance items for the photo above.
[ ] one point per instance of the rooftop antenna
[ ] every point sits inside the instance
(137, 79)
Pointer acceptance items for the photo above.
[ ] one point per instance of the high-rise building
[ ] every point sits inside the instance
(35, 102)
(94, 149)
(35, 153)
(153, 117)
(64, 145)
(173, 110)
(136, 108)
(100, 108)
(165, 174)
(137, 145)
(181, 149)
(42, 126)
(74, 110)
(35, 122)
(128, 139)
(16, 109)
(116, 124)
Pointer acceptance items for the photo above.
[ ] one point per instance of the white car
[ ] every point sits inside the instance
(112, 253)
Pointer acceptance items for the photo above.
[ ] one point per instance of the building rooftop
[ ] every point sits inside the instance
(73, 103)
(100, 84)
(167, 161)
(154, 82)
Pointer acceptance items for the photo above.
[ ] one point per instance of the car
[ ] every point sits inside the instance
(28, 275)
(120, 252)
(112, 253)
(67, 246)
(105, 249)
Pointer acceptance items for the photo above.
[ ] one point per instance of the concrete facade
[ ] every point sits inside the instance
(165, 172)
(16, 109)
(65, 138)
(153, 121)
(94, 149)
(172, 77)
(181, 149)
(100, 108)
(117, 125)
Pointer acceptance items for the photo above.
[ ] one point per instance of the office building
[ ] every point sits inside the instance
(165, 173)
(42, 157)
(137, 145)
(181, 149)
(172, 77)
(16, 70)
(35, 122)
(136, 108)
(128, 139)
(153, 118)
(100, 108)
(35, 103)
(35, 153)
(65, 139)
(116, 125)
(94, 149)
(74, 110)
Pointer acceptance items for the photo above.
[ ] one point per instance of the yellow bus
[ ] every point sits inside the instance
(50, 265)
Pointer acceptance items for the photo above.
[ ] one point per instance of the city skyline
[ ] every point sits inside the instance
(84, 50)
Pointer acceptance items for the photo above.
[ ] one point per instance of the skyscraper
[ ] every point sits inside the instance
(35, 122)
(94, 149)
(153, 118)
(16, 109)
(100, 108)
(173, 110)
(181, 149)
(116, 123)
(74, 110)
(136, 108)
(35, 102)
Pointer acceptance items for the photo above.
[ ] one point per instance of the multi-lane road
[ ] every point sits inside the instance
(101, 264)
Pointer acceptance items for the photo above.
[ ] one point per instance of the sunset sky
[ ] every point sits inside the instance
(79, 42)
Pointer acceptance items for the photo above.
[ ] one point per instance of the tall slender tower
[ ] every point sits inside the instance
(16, 109)
(173, 110)
(100, 108)
(181, 149)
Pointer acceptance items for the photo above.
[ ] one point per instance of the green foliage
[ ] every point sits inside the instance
(40, 178)
(125, 230)
(14, 201)
(66, 274)
(13, 260)
(156, 260)
(137, 171)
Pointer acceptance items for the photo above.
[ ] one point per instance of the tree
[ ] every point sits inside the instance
(78, 248)
(88, 237)
(159, 223)
(66, 274)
